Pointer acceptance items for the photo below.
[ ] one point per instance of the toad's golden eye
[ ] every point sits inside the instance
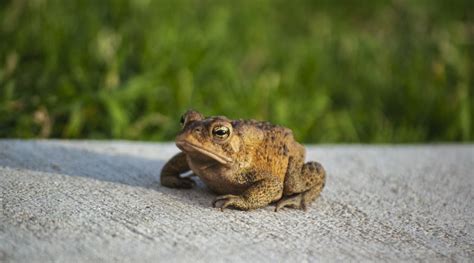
(221, 132)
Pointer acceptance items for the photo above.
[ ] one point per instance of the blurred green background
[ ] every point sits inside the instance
(333, 71)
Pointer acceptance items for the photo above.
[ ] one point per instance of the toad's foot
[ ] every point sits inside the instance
(300, 200)
(295, 201)
(178, 182)
(224, 201)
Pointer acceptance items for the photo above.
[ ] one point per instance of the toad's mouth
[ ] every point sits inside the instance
(187, 146)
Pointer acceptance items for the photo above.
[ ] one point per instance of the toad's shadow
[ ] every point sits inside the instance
(74, 159)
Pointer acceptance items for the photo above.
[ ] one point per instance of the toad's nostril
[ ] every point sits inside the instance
(198, 130)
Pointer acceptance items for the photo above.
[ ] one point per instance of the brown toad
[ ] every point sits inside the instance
(250, 163)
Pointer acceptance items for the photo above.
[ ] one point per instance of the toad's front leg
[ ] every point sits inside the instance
(260, 194)
(170, 174)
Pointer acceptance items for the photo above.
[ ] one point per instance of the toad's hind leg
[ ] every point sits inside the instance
(301, 188)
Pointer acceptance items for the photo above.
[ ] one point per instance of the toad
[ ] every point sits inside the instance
(249, 163)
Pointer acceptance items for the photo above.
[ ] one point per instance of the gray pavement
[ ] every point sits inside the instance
(87, 201)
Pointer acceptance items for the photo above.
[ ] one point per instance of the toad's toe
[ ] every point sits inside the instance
(184, 183)
(224, 201)
(292, 201)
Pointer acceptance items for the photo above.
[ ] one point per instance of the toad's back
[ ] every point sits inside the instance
(270, 146)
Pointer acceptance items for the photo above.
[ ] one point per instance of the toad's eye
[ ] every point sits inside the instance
(181, 121)
(221, 132)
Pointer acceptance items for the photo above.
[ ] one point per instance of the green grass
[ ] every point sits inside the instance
(371, 71)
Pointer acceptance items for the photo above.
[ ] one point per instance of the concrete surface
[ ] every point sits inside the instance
(86, 201)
